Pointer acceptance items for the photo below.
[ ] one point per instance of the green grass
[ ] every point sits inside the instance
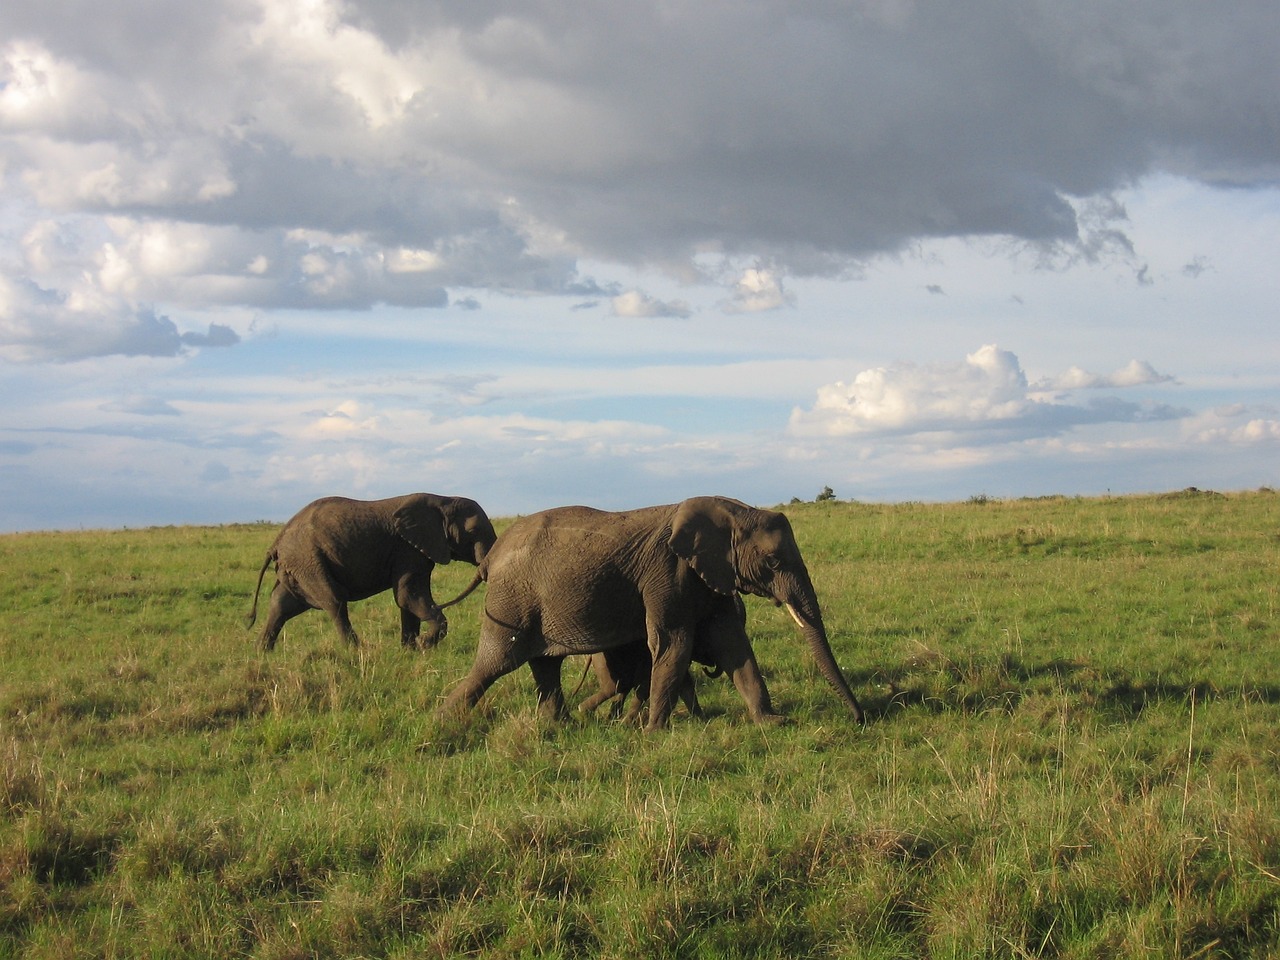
(1073, 751)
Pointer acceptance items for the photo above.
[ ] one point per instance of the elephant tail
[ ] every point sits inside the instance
(253, 612)
(475, 582)
(582, 679)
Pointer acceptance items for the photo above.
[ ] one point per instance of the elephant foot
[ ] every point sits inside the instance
(769, 719)
(553, 710)
(433, 631)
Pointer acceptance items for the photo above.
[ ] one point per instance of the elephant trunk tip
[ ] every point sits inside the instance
(815, 633)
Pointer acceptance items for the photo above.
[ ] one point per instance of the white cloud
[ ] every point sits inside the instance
(1235, 424)
(1135, 373)
(634, 303)
(987, 391)
(757, 290)
(143, 406)
(490, 148)
(314, 175)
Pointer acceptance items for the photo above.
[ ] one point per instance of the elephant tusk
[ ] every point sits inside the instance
(795, 616)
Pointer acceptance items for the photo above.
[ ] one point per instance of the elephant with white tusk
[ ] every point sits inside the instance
(576, 580)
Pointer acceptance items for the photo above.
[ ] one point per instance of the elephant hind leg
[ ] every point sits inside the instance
(609, 685)
(592, 703)
(337, 611)
(636, 713)
(413, 597)
(283, 607)
(498, 653)
(689, 695)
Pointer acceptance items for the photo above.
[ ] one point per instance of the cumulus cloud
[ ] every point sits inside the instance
(756, 291)
(1136, 373)
(634, 303)
(987, 391)
(1236, 424)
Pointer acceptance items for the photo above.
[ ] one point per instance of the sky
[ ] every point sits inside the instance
(255, 252)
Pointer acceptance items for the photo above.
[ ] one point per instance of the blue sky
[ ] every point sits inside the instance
(254, 252)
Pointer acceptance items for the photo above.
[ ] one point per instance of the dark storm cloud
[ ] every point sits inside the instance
(383, 152)
(801, 129)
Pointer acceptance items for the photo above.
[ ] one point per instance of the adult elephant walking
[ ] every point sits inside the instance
(336, 550)
(577, 580)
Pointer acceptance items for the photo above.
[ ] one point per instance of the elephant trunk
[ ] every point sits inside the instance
(475, 582)
(802, 603)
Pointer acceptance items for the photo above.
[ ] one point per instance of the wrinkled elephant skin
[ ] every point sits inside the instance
(335, 551)
(576, 580)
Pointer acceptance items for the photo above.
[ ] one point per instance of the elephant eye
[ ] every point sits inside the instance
(773, 563)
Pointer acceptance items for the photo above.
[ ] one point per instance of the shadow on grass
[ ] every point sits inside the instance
(933, 682)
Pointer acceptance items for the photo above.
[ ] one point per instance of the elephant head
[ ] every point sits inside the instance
(734, 547)
(470, 533)
(445, 528)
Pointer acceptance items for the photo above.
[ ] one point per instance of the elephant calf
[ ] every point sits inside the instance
(621, 670)
(624, 670)
(336, 550)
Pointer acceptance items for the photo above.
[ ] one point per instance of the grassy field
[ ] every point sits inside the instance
(1073, 751)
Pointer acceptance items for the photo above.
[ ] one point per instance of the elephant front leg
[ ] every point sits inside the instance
(413, 634)
(410, 624)
(671, 656)
(498, 653)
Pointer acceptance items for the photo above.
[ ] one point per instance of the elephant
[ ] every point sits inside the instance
(621, 670)
(576, 580)
(336, 550)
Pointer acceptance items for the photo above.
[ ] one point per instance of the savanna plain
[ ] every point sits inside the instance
(1073, 750)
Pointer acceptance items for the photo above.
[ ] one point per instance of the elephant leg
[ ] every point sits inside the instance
(690, 696)
(546, 677)
(498, 653)
(671, 655)
(634, 715)
(615, 676)
(323, 591)
(283, 607)
(413, 597)
(337, 611)
(410, 624)
(602, 695)
(726, 637)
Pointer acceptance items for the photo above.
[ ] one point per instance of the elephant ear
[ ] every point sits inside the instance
(421, 523)
(702, 533)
